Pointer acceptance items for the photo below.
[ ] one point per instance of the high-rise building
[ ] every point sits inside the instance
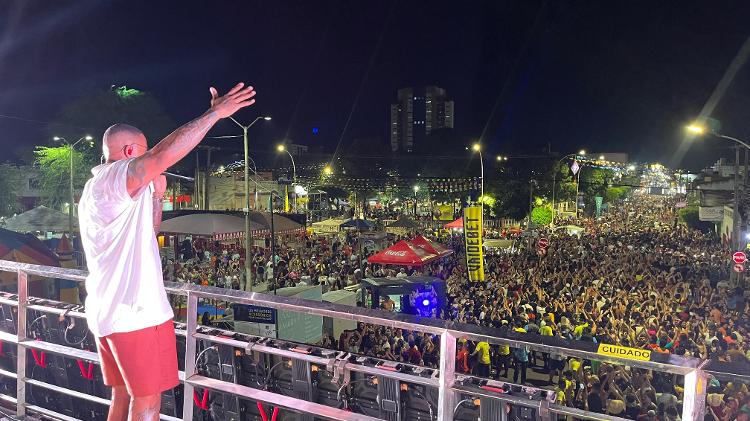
(418, 112)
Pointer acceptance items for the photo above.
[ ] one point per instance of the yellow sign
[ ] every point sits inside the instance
(446, 212)
(624, 352)
(286, 199)
(473, 236)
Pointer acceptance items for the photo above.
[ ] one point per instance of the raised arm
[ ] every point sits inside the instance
(175, 146)
(160, 186)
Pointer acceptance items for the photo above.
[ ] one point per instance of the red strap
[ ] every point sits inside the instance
(203, 403)
(39, 359)
(262, 411)
(275, 413)
(2, 353)
(86, 374)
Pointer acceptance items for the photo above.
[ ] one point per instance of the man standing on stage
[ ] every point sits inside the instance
(119, 215)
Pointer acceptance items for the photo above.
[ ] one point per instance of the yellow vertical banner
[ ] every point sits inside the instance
(473, 237)
(286, 199)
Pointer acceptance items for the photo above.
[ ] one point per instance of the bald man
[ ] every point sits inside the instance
(119, 215)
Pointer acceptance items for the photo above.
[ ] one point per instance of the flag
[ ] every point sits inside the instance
(575, 167)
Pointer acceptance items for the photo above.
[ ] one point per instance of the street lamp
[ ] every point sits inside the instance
(327, 170)
(71, 203)
(248, 279)
(282, 148)
(699, 129)
(478, 148)
(416, 189)
(554, 181)
(502, 158)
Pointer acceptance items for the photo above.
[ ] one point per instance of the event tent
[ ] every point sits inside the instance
(404, 222)
(403, 254)
(328, 226)
(430, 247)
(224, 227)
(281, 224)
(359, 224)
(41, 218)
(23, 248)
(205, 224)
(457, 224)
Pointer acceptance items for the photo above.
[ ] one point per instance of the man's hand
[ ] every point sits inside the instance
(236, 99)
(160, 186)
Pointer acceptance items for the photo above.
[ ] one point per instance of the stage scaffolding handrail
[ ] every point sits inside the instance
(449, 332)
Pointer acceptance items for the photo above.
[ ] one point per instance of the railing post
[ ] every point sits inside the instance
(190, 345)
(23, 300)
(694, 397)
(446, 396)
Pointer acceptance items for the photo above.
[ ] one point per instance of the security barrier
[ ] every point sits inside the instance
(307, 375)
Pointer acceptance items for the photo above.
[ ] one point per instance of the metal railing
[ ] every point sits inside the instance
(449, 389)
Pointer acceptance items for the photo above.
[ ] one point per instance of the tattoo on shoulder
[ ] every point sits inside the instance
(137, 170)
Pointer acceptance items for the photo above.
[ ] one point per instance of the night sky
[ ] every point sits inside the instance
(604, 75)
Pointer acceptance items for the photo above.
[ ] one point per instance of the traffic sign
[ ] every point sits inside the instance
(739, 267)
(541, 251)
(543, 243)
(739, 257)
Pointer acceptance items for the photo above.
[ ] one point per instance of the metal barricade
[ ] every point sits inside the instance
(449, 391)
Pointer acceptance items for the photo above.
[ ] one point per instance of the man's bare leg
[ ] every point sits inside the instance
(145, 408)
(118, 410)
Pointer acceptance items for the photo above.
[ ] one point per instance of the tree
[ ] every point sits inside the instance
(594, 182)
(615, 194)
(54, 164)
(9, 179)
(511, 198)
(541, 215)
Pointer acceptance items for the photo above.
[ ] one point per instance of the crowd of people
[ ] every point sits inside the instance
(634, 277)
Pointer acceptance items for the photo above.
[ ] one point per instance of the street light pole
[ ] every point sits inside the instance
(416, 189)
(282, 148)
(554, 181)
(248, 279)
(273, 243)
(71, 202)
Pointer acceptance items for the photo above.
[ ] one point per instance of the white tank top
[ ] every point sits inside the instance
(125, 285)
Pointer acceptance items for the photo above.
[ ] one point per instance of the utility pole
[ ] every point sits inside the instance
(531, 207)
(207, 178)
(531, 203)
(273, 242)
(736, 208)
(197, 183)
(71, 198)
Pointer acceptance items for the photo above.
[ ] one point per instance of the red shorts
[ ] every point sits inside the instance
(144, 361)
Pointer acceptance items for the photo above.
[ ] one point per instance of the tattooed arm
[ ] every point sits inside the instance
(171, 149)
(160, 186)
